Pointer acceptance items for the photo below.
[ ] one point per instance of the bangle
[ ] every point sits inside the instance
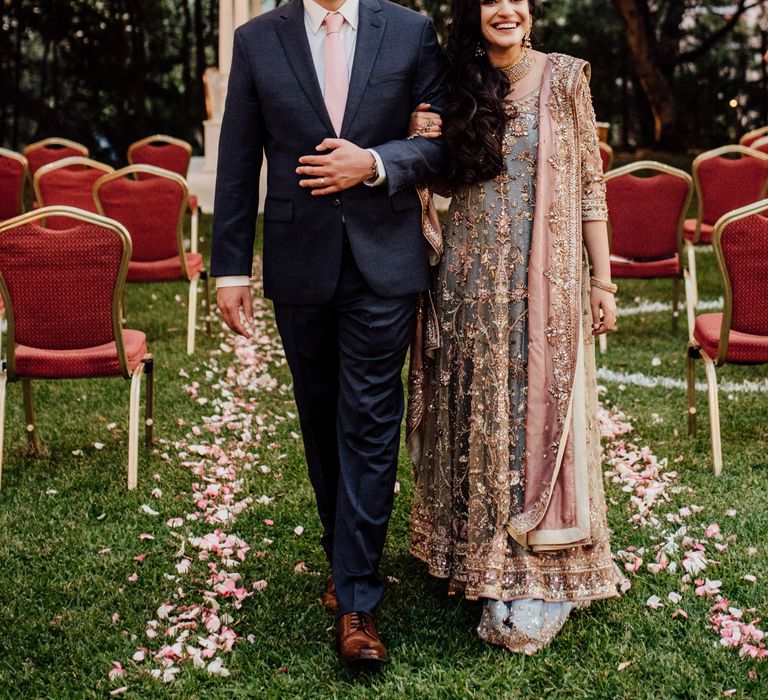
(605, 286)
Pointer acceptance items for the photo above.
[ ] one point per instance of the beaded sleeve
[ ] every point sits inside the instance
(593, 206)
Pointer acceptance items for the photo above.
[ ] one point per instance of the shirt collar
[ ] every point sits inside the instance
(350, 11)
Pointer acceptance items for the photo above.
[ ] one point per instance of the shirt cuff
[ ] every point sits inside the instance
(233, 281)
(380, 167)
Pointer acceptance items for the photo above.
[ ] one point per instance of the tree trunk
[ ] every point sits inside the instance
(213, 24)
(654, 83)
(17, 78)
(138, 64)
(190, 117)
(200, 66)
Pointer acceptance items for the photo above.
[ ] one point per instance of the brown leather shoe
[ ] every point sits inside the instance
(330, 601)
(358, 643)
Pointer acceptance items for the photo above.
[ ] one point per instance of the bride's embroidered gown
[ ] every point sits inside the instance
(472, 474)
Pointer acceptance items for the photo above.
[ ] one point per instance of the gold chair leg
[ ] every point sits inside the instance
(675, 302)
(29, 416)
(208, 311)
(692, 273)
(691, 372)
(3, 383)
(193, 243)
(192, 314)
(149, 410)
(689, 310)
(133, 427)
(714, 413)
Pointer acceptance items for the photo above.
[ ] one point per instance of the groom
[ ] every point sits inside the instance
(324, 89)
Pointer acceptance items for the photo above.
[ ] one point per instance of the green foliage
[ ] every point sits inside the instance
(702, 88)
(107, 72)
(103, 72)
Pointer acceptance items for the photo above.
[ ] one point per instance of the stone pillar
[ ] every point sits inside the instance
(202, 173)
(242, 12)
(232, 13)
(226, 33)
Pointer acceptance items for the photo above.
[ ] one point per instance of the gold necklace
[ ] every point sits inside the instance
(520, 68)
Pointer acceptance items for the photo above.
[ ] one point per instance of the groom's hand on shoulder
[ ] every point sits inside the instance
(340, 166)
(230, 300)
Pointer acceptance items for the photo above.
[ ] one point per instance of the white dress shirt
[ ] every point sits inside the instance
(314, 15)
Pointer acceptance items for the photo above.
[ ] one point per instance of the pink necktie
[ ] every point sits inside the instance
(336, 75)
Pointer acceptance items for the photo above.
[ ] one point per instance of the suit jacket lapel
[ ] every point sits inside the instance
(293, 37)
(370, 32)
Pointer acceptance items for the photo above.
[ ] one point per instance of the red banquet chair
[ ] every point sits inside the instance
(152, 209)
(645, 220)
(739, 335)
(751, 136)
(606, 156)
(49, 150)
(68, 182)
(723, 183)
(62, 291)
(14, 171)
(171, 154)
(760, 144)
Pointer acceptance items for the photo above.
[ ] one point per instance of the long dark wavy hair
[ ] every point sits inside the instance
(474, 116)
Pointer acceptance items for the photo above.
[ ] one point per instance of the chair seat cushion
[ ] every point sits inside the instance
(164, 270)
(689, 229)
(193, 201)
(97, 361)
(666, 267)
(742, 347)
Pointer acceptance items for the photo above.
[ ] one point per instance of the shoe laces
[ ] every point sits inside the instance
(361, 621)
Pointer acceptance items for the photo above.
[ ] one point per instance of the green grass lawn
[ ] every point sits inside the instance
(69, 532)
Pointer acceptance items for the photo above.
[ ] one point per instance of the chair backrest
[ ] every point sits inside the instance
(49, 150)
(152, 209)
(606, 155)
(751, 136)
(62, 289)
(760, 144)
(724, 183)
(13, 174)
(68, 182)
(161, 151)
(646, 214)
(740, 240)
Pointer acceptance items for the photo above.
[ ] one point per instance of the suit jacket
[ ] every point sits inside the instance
(275, 108)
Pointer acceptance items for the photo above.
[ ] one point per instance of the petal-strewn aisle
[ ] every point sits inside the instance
(195, 626)
(680, 544)
(675, 544)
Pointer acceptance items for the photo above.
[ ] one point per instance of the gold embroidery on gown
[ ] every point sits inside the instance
(472, 474)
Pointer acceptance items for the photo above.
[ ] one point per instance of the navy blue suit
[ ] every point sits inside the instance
(343, 269)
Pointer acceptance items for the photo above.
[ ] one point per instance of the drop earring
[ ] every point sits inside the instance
(479, 50)
(527, 38)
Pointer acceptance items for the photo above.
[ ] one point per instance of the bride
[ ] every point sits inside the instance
(509, 503)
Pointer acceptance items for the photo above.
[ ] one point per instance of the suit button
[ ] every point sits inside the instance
(336, 203)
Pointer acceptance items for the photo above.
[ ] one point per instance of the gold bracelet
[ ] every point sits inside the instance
(605, 286)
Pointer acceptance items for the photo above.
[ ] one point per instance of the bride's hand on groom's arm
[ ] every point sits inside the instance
(340, 165)
(424, 123)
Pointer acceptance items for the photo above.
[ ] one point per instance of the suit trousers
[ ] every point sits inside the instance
(346, 358)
